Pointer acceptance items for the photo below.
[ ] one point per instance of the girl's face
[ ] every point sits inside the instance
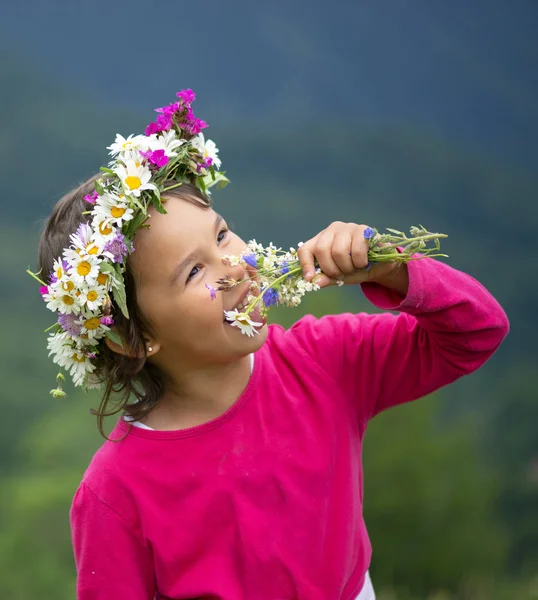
(174, 260)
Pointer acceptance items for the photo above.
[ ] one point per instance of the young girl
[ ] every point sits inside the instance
(234, 471)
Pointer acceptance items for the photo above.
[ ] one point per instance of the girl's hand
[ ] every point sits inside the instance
(342, 254)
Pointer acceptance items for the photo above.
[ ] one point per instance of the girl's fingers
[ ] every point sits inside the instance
(323, 251)
(359, 250)
(342, 254)
(306, 257)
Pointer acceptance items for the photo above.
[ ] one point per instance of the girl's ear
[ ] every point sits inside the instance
(151, 347)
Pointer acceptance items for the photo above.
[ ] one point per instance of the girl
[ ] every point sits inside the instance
(236, 472)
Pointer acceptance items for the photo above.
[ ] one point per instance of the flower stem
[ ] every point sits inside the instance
(35, 277)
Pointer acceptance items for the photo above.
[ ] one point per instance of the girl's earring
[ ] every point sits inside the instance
(150, 349)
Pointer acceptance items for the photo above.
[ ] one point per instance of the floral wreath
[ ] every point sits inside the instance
(89, 273)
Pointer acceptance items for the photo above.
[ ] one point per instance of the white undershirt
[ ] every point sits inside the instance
(367, 592)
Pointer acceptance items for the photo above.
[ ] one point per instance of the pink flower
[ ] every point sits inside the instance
(91, 198)
(43, 290)
(156, 157)
(169, 110)
(106, 321)
(187, 96)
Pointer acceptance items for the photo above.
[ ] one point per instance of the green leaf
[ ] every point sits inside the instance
(106, 267)
(118, 290)
(112, 335)
(99, 188)
(156, 200)
(395, 231)
(108, 171)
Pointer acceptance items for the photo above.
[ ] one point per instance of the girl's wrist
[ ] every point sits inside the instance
(396, 280)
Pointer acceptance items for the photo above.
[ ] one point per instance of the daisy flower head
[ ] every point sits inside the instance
(60, 270)
(92, 326)
(103, 231)
(80, 366)
(85, 269)
(92, 297)
(207, 149)
(83, 242)
(115, 208)
(242, 321)
(167, 141)
(61, 297)
(135, 177)
(122, 145)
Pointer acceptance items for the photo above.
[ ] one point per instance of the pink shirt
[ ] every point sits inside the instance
(265, 502)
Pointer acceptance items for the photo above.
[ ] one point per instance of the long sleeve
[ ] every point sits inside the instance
(111, 559)
(448, 326)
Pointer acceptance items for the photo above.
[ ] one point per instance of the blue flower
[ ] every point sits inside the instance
(284, 268)
(251, 260)
(270, 297)
(369, 233)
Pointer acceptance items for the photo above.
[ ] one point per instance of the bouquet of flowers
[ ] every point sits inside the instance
(279, 275)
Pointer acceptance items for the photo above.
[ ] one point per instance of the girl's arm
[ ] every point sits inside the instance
(448, 326)
(111, 558)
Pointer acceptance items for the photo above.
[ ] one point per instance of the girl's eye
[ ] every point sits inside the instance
(193, 273)
(222, 235)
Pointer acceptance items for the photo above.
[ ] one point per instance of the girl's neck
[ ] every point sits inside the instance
(203, 396)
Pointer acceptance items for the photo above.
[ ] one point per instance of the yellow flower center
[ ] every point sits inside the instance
(102, 278)
(92, 323)
(83, 268)
(117, 211)
(59, 272)
(68, 285)
(127, 144)
(92, 295)
(92, 249)
(104, 228)
(133, 182)
(78, 357)
(68, 300)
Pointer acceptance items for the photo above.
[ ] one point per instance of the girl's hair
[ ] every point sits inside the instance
(128, 377)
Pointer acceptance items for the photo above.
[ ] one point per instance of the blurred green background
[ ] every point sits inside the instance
(383, 112)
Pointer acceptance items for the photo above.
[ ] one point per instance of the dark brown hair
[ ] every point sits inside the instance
(127, 377)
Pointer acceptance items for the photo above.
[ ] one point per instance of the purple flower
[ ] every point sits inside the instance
(106, 321)
(68, 322)
(187, 96)
(116, 248)
(369, 233)
(284, 268)
(270, 297)
(156, 157)
(251, 260)
(212, 291)
(91, 355)
(43, 290)
(91, 198)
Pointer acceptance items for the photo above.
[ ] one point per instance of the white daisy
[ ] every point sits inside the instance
(103, 230)
(135, 177)
(207, 149)
(167, 141)
(61, 297)
(85, 269)
(61, 346)
(92, 327)
(242, 321)
(60, 271)
(92, 296)
(133, 142)
(80, 367)
(114, 208)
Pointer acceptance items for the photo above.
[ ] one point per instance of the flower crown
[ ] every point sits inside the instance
(89, 273)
